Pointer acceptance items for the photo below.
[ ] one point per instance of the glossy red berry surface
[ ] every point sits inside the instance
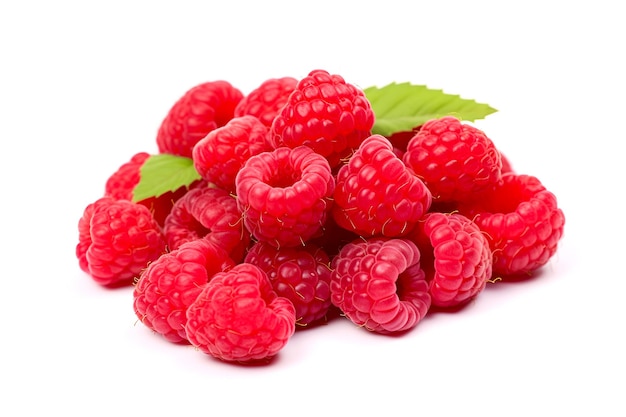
(200, 110)
(455, 256)
(454, 159)
(238, 317)
(117, 240)
(285, 195)
(378, 284)
(171, 283)
(376, 195)
(522, 221)
(325, 113)
(300, 274)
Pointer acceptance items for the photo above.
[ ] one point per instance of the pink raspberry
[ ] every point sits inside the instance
(200, 110)
(285, 195)
(300, 274)
(522, 222)
(239, 318)
(266, 101)
(376, 195)
(326, 114)
(209, 213)
(378, 284)
(121, 184)
(171, 283)
(219, 156)
(455, 256)
(117, 240)
(454, 159)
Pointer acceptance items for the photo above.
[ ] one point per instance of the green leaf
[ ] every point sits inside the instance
(400, 107)
(161, 173)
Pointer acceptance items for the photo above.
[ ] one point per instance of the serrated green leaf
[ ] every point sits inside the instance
(161, 173)
(400, 107)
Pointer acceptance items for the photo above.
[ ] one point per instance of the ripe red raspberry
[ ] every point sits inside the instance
(121, 184)
(238, 317)
(266, 101)
(378, 284)
(325, 113)
(200, 110)
(522, 221)
(171, 283)
(454, 159)
(455, 256)
(376, 195)
(219, 156)
(209, 213)
(285, 195)
(117, 239)
(300, 274)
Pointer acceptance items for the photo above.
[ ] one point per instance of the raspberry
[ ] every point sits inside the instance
(325, 113)
(171, 283)
(121, 184)
(285, 195)
(200, 110)
(238, 317)
(378, 284)
(221, 153)
(209, 213)
(117, 240)
(300, 274)
(455, 256)
(376, 195)
(455, 160)
(266, 101)
(522, 222)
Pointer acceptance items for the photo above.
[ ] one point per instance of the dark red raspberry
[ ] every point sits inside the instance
(171, 283)
(333, 237)
(121, 184)
(400, 140)
(219, 156)
(376, 195)
(378, 284)
(239, 318)
(117, 240)
(200, 110)
(325, 113)
(266, 101)
(285, 195)
(454, 159)
(209, 213)
(455, 256)
(300, 274)
(522, 222)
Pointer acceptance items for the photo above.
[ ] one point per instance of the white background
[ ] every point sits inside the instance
(84, 85)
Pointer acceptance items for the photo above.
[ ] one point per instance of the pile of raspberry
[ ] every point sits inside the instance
(301, 215)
